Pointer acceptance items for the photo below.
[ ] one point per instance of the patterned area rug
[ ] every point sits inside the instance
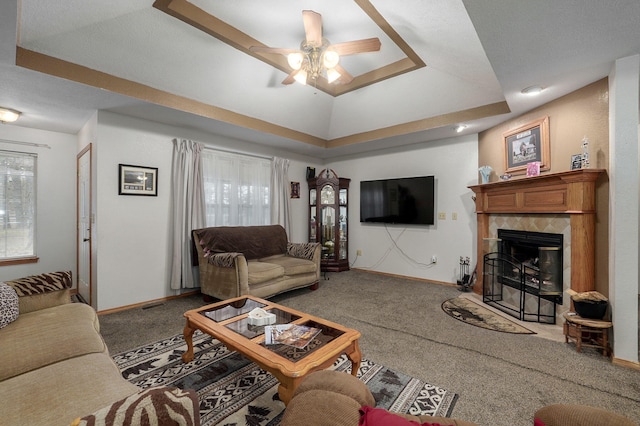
(470, 312)
(235, 391)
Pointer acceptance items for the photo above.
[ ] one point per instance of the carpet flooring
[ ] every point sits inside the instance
(502, 378)
(235, 391)
(470, 312)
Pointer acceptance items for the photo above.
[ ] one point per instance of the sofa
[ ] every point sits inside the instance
(55, 368)
(333, 398)
(253, 260)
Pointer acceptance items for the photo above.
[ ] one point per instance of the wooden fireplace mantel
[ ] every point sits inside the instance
(571, 193)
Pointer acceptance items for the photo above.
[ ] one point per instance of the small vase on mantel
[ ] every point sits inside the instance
(485, 172)
(585, 153)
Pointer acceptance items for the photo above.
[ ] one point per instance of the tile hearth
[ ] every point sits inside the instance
(546, 331)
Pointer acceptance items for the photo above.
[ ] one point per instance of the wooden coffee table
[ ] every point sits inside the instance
(227, 322)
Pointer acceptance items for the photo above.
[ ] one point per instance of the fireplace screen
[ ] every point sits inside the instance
(524, 277)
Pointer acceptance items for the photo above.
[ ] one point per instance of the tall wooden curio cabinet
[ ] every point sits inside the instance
(328, 214)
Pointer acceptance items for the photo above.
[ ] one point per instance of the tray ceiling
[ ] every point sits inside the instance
(187, 63)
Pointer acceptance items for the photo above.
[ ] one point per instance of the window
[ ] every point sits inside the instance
(17, 205)
(236, 189)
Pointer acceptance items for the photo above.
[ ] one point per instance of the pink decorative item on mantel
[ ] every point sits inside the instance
(533, 169)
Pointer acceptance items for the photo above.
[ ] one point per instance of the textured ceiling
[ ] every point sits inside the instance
(478, 56)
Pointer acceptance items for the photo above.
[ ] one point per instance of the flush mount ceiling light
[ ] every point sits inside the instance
(8, 115)
(532, 90)
(317, 57)
(460, 127)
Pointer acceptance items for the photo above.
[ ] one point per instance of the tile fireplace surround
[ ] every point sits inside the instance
(561, 203)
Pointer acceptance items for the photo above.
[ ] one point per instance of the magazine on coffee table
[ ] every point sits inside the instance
(298, 336)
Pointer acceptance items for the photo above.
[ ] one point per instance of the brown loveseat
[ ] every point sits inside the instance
(253, 260)
(55, 368)
(333, 398)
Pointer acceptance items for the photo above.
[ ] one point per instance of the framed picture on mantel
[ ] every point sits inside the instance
(526, 144)
(576, 161)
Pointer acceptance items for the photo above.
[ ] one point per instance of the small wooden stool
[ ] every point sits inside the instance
(587, 332)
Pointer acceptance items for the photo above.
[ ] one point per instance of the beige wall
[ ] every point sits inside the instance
(584, 112)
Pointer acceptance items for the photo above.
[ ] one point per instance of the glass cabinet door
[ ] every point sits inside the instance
(312, 227)
(342, 227)
(328, 232)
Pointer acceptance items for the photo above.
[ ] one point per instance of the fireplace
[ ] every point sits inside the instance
(558, 202)
(540, 254)
(523, 277)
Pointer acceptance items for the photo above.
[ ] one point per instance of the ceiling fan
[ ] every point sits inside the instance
(317, 57)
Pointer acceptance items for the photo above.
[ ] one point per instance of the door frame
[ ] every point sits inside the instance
(87, 150)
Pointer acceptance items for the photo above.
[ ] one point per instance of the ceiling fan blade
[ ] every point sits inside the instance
(276, 50)
(345, 77)
(312, 27)
(357, 46)
(290, 78)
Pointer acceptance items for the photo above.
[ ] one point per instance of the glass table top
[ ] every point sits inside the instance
(232, 309)
(228, 311)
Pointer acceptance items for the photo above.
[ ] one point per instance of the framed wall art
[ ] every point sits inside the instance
(137, 180)
(527, 144)
(295, 189)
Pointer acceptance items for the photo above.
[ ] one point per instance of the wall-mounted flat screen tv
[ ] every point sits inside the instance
(407, 201)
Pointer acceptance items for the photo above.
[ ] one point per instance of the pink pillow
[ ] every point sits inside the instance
(379, 417)
(537, 422)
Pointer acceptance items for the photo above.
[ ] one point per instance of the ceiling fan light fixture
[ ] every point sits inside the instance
(295, 60)
(330, 59)
(8, 115)
(317, 57)
(301, 77)
(332, 75)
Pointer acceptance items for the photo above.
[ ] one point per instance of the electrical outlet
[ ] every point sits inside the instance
(454, 216)
(442, 216)
(358, 252)
(434, 259)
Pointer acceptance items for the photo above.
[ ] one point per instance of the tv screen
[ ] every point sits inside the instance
(403, 201)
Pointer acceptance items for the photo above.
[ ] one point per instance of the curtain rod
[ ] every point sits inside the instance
(38, 145)
(238, 152)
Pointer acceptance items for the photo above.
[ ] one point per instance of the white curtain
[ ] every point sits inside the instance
(187, 206)
(237, 189)
(280, 202)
